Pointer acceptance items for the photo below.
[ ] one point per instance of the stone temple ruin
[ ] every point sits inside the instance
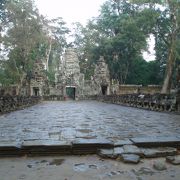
(70, 82)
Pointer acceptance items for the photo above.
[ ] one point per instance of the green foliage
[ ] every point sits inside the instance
(143, 72)
(119, 37)
(29, 37)
(119, 33)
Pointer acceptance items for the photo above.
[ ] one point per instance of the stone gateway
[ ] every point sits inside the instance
(70, 82)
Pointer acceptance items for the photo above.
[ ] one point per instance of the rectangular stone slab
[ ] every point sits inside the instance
(156, 141)
(95, 143)
(46, 147)
(122, 142)
(5, 145)
(46, 143)
(131, 149)
(159, 152)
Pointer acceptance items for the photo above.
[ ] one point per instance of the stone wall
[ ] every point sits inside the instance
(134, 89)
(12, 103)
(54, 98)
(156, 102)
(10, 90)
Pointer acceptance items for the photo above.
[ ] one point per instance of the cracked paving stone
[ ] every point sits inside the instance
(122, 142)
(131, 149)
(130, 158)
(107, 153)
(118, 150)
(158, 152)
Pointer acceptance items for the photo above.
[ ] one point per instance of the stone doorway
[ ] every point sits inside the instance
(104, 89)
(70, 92)
(35, 91)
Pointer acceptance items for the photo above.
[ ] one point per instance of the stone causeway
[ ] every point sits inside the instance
(89, 127)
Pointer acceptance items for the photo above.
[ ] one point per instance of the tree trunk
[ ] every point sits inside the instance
(172, 48)
(169, 72)
(48, 54)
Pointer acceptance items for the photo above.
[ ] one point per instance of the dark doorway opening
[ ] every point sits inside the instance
(104, 90)
(70, 92)
(35, 91)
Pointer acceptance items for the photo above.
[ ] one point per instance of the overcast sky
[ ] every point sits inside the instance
(70, 10)
(80, 11)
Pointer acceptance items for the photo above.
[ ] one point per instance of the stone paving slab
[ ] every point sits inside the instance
(10, 149)
(130, 158)
(123, 142)
(157, 141)
(45, 144)
(158, 152)
(46, 147)
(87, 126)
(82, 146)
(9, 145)
(131, 149)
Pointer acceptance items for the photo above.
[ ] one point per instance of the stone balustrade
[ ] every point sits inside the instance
(156, 102)
(12, 103)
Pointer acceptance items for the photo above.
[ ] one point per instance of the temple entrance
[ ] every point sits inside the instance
(104, 90)
(35, 91)
(70, 92)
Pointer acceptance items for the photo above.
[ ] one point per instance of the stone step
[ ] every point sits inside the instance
(45, 147)
(10, 149)
(156, 141)
(158, 152)
(91, 146)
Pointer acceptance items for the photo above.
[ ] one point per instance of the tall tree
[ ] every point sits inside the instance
(22, 39)
(171, 41)
(166, 31)
(56, 32)
(120, 36)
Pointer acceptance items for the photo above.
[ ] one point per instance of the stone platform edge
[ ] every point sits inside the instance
(80, 146)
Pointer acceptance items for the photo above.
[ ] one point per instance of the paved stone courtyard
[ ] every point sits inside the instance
(88, 120)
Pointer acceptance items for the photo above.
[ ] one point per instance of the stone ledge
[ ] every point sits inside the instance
(10, 149)
(46, 147)
(157, 141)
(82, 146)
(158, 147)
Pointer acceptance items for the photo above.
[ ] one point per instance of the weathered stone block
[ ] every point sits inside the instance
(158, 152)
(130, 158)
(122, 142)
(46, 147)
(107, 153)
(118, 150)
(131, 149)
(157, 141)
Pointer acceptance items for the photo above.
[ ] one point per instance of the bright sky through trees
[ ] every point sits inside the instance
(80, 11)
(70, 10)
